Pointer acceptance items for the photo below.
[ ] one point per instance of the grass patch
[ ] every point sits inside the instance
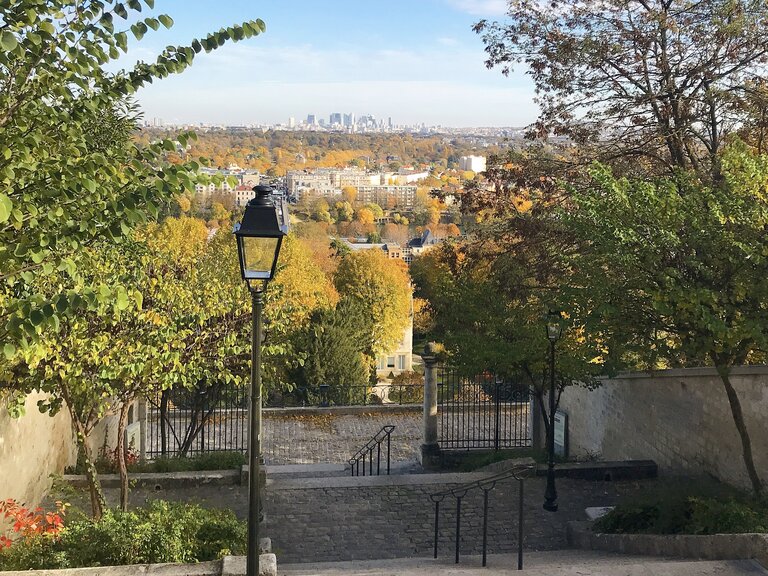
(685, 506)
(220, 460)
(223, 460)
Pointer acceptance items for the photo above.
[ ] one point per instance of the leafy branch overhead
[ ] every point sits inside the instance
(663, 82)
(70, 173)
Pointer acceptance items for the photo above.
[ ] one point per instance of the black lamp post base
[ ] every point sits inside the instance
(550, 506)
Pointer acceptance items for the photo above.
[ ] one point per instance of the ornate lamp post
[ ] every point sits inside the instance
(259, 237)
(554, 330)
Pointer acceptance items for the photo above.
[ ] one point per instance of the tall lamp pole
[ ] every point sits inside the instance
(259, 237)
(554, 330)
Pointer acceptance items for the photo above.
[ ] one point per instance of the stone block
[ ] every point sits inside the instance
(235, 565)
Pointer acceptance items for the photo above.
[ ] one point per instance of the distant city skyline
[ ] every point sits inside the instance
(416, 62)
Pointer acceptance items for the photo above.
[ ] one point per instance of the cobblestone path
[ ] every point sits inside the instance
(334, 438)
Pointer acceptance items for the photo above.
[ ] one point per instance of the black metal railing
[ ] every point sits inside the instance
(482, 411)
(517, 473)
(188, 421)
(365, 454)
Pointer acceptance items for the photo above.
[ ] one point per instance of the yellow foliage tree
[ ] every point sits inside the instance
(381, 287)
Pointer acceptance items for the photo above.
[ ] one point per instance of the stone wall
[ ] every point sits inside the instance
(679, 418)
(31, 448)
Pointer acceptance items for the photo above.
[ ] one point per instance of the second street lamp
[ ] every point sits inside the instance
(554, 331)
(259, 237)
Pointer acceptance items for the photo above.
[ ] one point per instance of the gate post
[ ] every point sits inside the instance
(430, 449)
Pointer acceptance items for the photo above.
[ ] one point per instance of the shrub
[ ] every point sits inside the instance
(689, 508)
(162, 532)
(407, 388)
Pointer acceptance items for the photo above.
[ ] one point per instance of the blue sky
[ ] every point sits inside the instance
(414, 60)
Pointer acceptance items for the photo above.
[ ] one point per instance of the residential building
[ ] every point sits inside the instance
(474, 163)
(418, 246)
(388, 197)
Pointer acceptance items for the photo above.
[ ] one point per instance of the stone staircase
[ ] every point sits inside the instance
(554, 563)
(325, 522)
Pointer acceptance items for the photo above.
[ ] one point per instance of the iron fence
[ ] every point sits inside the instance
(482, 411)
(183, 422)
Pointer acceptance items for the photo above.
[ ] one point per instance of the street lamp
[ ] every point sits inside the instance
(554, 331)
(259, 237)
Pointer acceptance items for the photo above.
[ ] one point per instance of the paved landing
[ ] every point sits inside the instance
(556, 563)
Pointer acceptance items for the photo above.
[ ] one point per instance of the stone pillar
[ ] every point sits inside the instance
(430, 449)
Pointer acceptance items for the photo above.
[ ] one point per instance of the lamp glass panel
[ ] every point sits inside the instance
(258, 257)
(553, 331)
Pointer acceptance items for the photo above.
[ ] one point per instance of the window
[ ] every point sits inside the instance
(390, 361)
(381, 363)
(401, 362)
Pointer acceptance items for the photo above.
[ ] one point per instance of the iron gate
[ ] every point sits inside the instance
(193, 421)
(482, 411)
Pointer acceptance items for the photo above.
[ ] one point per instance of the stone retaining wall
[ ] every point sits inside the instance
(710, 547)
(31, 448)
(679, 418)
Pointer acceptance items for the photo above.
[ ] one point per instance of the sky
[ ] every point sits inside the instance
(416, 61)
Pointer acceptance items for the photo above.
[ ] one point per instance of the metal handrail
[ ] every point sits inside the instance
(487, 484)
(366, 452)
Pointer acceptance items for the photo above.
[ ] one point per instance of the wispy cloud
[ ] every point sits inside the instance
(487, 8)
(448, 41)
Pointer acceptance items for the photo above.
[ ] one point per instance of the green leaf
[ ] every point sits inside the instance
(9, 350)
(165, 20)
(6, 206)
(8, 41)
(36, 317)
(122, 300)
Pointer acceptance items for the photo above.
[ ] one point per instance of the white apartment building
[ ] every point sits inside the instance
(474, 163)
(326, 182)
(387, 196)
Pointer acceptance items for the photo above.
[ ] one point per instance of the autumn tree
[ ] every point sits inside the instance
(661, 83)
(395, 233)
(349, 194)
(381, 287)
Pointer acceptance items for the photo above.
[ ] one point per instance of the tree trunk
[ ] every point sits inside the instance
(738, 419)
(122, 468)
(98, 502)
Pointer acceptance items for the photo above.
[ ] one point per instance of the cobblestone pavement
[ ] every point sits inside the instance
(334, 438)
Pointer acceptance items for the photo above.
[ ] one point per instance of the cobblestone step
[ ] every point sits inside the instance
(555, 563)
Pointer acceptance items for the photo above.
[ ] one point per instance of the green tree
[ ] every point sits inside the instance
(680, 267)
(487, 307)
(334, 343)
(69, 174)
